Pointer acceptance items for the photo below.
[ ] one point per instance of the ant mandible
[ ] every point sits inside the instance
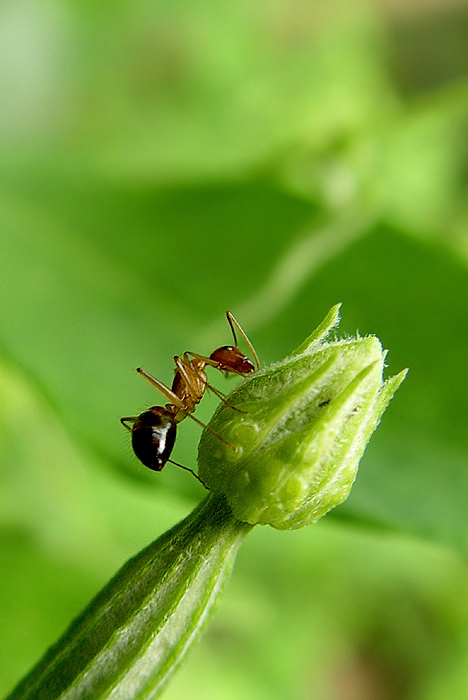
(154, 431)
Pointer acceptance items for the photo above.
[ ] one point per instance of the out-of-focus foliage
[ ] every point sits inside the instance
(161, 163)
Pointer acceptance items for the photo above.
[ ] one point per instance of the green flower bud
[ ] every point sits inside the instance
(299, 431)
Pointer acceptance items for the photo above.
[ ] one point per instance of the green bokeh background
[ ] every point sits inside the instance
(161, 163)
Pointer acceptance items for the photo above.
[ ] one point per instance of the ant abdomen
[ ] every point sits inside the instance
(153, 437)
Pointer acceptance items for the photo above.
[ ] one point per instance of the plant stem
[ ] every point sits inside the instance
(133, 635)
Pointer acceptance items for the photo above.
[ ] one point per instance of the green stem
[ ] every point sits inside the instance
(135, 632)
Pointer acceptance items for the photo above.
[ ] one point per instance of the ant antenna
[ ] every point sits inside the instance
(232, 322)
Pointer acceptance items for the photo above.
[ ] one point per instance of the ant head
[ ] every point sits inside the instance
(153, 437)
(231, 359)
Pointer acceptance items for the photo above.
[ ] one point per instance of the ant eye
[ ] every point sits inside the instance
(247, 366)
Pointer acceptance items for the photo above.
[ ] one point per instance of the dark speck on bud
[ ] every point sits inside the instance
(304, 425)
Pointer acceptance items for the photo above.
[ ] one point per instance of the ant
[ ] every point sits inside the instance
(154, 431)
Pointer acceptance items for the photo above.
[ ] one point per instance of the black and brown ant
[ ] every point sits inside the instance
(154, 431)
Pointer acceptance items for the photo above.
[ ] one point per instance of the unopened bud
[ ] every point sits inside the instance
(299, 431)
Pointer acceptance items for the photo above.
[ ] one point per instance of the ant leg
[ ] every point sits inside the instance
(222, 397)
(174, 399)
(130, 419)
(219, 365)
(233, 322)
(212, 363)
(187, 469)
(207, 427)
(201, 358)
(202, 381)
(194, 377)
(163, 389)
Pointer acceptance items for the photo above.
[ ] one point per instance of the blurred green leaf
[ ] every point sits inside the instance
(175, 91)
(287, 629)
(83, 310)
(413, 298)
(162, 163)
(39, 594)
(93, 319)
